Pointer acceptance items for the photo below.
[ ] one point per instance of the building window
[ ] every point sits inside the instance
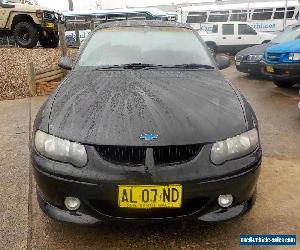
(218, 16)
(262, 14)
(238, 15)
(279, 13)
(196, 17)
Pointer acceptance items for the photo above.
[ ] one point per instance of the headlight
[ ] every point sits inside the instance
(49, 15)
(234, 147)
(254, 58)
(238, 58)
(294, 56)
(60, 149)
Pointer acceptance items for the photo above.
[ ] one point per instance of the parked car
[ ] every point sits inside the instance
(250, 60)
(145, 127)
(29, 23)
(233, 37)
(282, 63)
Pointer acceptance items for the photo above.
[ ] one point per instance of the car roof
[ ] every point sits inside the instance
(137, 23)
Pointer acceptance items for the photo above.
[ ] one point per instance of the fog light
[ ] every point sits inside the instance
(72, 203)
(225, 200)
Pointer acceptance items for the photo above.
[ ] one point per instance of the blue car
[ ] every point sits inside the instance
(282, 63)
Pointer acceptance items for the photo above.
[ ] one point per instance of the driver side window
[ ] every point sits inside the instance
(245, 29)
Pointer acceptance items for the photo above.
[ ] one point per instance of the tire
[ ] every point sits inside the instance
(26, 34)
(284, 83)
(51, 41)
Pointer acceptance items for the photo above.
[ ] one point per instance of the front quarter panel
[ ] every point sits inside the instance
(42, 118)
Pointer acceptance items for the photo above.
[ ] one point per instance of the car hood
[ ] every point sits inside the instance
(292, 46)
(116, 107)
(30, 7)
(255, 50)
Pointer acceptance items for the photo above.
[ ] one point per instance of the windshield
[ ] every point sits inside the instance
(144, 45)
(291, 33)
(21, 1)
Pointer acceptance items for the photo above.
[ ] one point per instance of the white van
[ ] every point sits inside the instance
(233, 37)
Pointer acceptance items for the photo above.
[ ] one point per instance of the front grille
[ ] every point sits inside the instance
(175, 154)
(273, 57)
(110, 208)
(135, 156)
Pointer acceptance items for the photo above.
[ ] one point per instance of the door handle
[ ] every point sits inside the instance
(223, 37)
(239, 37)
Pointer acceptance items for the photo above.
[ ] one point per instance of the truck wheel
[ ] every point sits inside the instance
(51, 41)
(284, 83)
(26, 34)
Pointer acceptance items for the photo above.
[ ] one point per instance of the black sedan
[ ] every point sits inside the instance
(145, 127)
(250, 61)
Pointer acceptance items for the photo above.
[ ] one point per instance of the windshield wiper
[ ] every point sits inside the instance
(139, 65)
(191, 66)
(129, 66)
(151, 66)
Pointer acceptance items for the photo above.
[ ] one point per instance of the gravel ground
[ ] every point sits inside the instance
(13, 70)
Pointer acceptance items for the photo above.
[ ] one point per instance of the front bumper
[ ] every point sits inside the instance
(99, 198)
(250, 67)
(287, 71)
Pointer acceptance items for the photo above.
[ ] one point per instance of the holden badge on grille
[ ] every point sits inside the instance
(148, 137)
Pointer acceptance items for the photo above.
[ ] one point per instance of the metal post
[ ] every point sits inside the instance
(92, 25)
(285, 14)
(31, 79)
(248, 11)
(77, 36)
(62, 39)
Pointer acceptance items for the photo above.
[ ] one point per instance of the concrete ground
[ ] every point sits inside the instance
(276, 211)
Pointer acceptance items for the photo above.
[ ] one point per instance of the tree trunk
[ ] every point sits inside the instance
(71, 5)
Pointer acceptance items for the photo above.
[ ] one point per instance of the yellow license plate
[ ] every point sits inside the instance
(150, 196)
(270, 69)
(49, 25)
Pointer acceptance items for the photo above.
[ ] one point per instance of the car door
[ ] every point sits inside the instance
(247, 36)
(227, 38)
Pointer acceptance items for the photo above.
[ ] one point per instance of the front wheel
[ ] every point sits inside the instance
(49, 41)
(284, 83)
(26, 34)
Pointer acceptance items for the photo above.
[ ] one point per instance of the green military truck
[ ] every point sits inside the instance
(29, 23)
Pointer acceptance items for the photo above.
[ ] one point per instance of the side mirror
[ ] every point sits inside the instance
(223, 62)
(65, 63)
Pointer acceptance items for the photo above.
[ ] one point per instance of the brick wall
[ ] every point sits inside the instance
(46, 88)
